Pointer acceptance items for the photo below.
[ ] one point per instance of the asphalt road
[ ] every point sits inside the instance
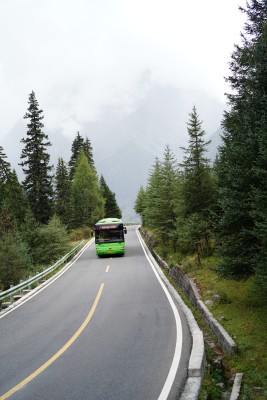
(104, 330)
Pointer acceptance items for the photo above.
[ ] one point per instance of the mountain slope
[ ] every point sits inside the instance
(125, 147)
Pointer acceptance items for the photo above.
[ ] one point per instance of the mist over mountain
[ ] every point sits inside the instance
(125, 146)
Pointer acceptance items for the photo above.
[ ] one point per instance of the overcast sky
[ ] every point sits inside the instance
(80, 55)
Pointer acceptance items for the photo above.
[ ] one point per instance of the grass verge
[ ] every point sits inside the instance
(237, 306)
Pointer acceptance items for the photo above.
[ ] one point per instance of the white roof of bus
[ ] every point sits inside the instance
(109, 220)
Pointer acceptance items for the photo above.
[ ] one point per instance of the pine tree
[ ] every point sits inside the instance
(258, 27)
(30, 233)
(152, 212)
(87, 201)
(11, 192)
(16, 201)
(62, 193)
(111, 207)
(5, 167)
(167, 201)
(242, 165)
(197, 192)
(35, 164)
(197, 183)
(79, 144)
(140, 204)
(5, 172)
(88, 151)
(14, 258)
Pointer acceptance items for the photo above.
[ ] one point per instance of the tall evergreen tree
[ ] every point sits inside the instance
(88, 151)
(140, 204)
(152, 212)
(197, 192)
(30, 233)
(87, 201)
(167, 201)
(5, 167)
(35, 164)
(78, 144)
(242, 165)
(111, 207)
(5, 172)
(16, 200)
(11, 192)
(62, 193)
(197, 183)
(14, 258)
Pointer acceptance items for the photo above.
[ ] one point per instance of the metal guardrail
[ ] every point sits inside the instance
(18, 289)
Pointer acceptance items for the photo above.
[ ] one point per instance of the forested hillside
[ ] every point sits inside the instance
(39, 217)
(125, 144)
(201, 207)
(209, 219)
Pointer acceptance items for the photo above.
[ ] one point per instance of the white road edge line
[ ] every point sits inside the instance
(179, 336)
(48, 283)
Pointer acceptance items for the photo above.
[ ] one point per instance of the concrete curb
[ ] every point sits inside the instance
(191, 389)
(189, 288)
(197, 359)
(225, 340)
(236, 387)
(196, 366)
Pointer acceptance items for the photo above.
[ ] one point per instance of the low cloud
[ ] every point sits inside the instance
(81, 56)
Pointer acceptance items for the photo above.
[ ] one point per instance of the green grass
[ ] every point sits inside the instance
(244, 316)
(243, 319)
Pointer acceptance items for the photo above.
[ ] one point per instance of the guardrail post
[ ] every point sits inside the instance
(21, 290)
(11, 296)
(29, 286)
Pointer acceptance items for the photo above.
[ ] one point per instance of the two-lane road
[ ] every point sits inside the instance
(104, 330)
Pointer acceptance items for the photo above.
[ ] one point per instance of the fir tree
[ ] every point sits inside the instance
(197, 192)
(167, 201)
(62, 193)
(35, 164)
(242, 165)
(88, 151)
(11, 192)
(5, 172)
(79, 144)
(111, 207)
(30, 235)
(5, 167)
(197, 183)
(87, 201)
(16, 200)
(14, 258)
(140, 204)
(152, 212)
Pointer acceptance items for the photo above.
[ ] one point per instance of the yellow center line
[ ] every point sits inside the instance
(60, 352)
(107, 269)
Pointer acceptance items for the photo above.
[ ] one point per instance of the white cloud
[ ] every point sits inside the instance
(80, 55)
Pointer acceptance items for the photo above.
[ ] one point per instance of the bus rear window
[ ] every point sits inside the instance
(108, 235)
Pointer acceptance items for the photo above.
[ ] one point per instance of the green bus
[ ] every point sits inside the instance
(109, 237)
